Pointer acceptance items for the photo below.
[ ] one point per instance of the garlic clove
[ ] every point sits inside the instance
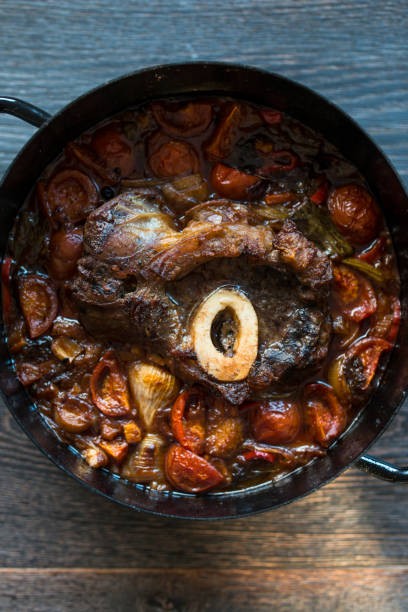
(152, 388)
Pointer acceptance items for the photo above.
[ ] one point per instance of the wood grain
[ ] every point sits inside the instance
(346, 546)
(199, 590)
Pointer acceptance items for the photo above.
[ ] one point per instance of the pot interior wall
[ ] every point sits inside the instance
(270, 90)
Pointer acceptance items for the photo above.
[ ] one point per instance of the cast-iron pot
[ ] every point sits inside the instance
(255, 86)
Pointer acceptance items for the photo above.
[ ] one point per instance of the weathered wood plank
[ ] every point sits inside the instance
(199, 590)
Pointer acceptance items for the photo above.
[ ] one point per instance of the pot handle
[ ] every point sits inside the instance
(24, 110)
(382, 469)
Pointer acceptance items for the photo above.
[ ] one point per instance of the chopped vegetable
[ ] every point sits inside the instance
(324, 415)
(116, 449)
(70, 197)
(95, 457)
(143, 464)
(387, 319)
(231, 183)
(271, 116)
(189, 472)
(65, 250)
(317, 226)
(275, 421)
(280, 198)
(278, 161)
(152, 388)
(174, 158)
(114, 149)
(354, 212)
(91, 160)
(109, 387)
(132, 432)
(183, 121)
(225, 429)
(353, 294)
(375, 274)
(38, 301)
(352, 372)
(28, 373)
(75, 415)
(258, 454)
(185, 192)
(320, 195)
(224, 136)
(374, 251)
(188, 420)
(64, 347)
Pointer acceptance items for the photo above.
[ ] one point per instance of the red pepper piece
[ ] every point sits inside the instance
(109, 387)
(373, 253)
(320, 195)
(258, 454)
(280, 198)
(189, 472)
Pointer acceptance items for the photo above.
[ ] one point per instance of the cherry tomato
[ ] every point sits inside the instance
(374, 252)
(65, 250)
(75, 415)
(109, 387)
(353, 294)
(71, 196)
(275, 421)
(271, 116)
(114, 149)
(5, 289)
(224, 429)
(174, 158)
(39, 303)
(189, 472)
(231, 183)
(87, 156)
(325, 417)
(351, 373)
(224, 136)
(354, 212)
(184, 121)
(188, 420)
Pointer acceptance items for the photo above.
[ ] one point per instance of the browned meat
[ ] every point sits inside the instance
(141, 280)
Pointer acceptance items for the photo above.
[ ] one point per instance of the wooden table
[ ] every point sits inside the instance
(346, 546)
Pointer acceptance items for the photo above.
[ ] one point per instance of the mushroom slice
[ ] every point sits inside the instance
(224, 333)
(152, 388)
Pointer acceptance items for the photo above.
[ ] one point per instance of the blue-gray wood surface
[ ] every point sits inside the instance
(346, 546)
